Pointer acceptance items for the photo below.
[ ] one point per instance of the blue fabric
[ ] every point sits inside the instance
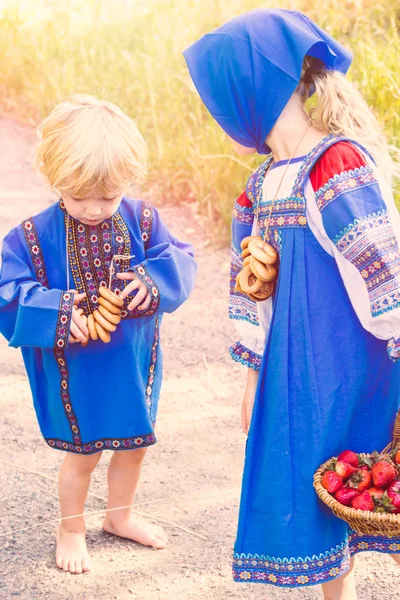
(325, 385)
(246, 70)
(108, 392)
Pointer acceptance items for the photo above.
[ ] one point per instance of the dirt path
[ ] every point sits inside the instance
(192, 477)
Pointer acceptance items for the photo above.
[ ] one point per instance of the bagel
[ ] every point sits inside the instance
(246, 252)
(263, 251)
(249, 282)
(103, 322)
(264, 272)
(102, 333)
(92, 327)
(245, 242)
(247, 260)
(110, 296)
(265, 292)
(115, 310)
(109, 316)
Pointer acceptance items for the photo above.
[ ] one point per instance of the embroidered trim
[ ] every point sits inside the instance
(256, 180)
(64, 320)
(310, 160)
(65, 397)
(393, 349)
(317, 569)
(35, 251)
(114, 444)
(146, 223)
(152, 368)
(371, 245)
(240, 305)
(144, 276)
(361, 543)
(288, 212)
(342, 183)
(243, 214)
(241, 354)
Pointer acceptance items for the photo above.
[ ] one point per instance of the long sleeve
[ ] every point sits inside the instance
(360, 227)
(169, 271)
(251, 326)
(30, 314)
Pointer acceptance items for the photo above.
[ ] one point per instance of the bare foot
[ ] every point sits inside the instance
(138, 531)
(71, 554)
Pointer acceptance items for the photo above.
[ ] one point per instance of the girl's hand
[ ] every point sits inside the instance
(142, 298)
(78, 330)
(248, 399)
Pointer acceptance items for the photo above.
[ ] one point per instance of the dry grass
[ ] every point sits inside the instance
(132, 55)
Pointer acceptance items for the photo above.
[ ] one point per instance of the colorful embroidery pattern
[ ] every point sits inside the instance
(298, 572)
(393, 349)
(114, 444)
(310, 160)
(243, 214)
(35, 250)
(64, 319)
(143, 275)
(255, 182)
(146, 223)
(241, 354)
(64, 385)
(288, 212)
(370, 244)
(240, 305)
(152, 368)
(342, 183)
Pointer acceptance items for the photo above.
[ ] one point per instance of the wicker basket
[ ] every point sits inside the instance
(368, 523)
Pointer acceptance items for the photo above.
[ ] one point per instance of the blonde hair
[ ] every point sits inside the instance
(337, 107)
(88, 145)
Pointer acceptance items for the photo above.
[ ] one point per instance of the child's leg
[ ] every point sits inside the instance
(342, 588)
(73, 484)
(123, 479)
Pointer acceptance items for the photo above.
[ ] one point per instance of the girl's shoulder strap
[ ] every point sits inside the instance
(255, 181)
(313, 156)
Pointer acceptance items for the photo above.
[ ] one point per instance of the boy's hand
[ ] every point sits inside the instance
(78, 330)
(142, 298)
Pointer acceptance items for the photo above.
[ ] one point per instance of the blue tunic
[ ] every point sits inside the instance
(325, 384)
(102, 396)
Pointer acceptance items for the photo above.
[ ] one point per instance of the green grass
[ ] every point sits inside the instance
(133, 56)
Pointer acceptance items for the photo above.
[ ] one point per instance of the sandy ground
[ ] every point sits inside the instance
(191, 478)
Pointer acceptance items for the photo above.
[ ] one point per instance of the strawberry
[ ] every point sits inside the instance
(363, 502)
(361, 480)
(375, 493)
(332, 481)
(344, 469)
(349, 457)
(383, 473)
(393, 492)
(346, 495)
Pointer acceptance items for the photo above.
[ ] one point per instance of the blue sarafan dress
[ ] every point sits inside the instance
(321, 345)
(102, 396)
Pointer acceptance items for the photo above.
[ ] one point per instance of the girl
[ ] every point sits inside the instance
(93, 396)
(319, 374)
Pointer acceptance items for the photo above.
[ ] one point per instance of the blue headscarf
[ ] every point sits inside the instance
(246, 70)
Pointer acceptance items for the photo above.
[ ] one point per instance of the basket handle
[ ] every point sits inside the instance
(396, 432)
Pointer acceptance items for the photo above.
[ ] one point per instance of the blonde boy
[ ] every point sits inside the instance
(94, 368)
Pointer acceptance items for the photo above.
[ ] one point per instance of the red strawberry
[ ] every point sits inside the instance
(344, 469)
(375, 493)
(349, 457)
(361, 480)
(393, 492)
(397, 457)
(383, 474)
(346, 495)
(332, 481)
(363, 502)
